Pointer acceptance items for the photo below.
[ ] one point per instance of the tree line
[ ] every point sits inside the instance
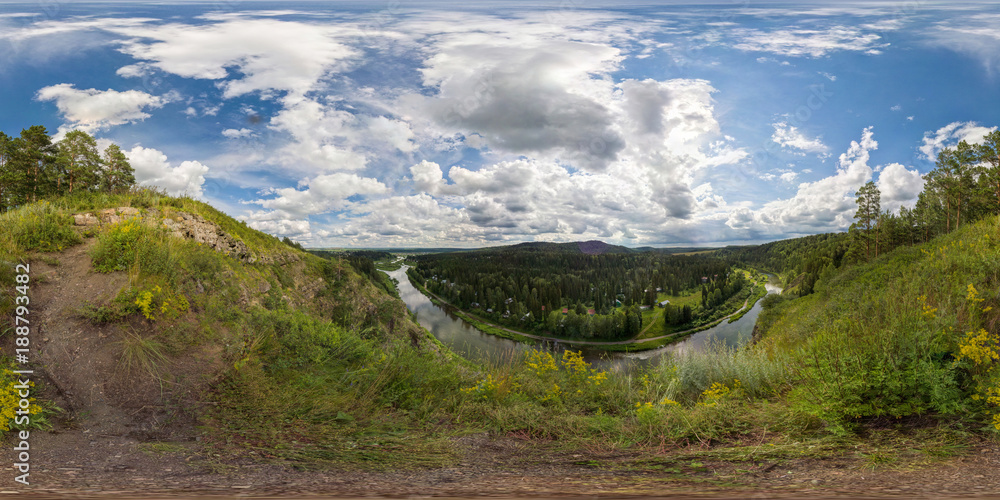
(530, 288)
(963, 187)
(34, 167)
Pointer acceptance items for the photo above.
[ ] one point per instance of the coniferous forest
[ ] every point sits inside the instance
(34, 167)
(562, 290)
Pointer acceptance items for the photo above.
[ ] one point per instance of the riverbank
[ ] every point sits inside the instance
(630, 345)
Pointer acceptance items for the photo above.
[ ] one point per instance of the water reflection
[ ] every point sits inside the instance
(473, 344)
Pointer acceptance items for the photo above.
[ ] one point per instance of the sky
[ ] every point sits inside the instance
(437, 124)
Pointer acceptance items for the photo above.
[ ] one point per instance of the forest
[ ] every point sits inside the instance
(34, 167)
(963, 187)
(550, 289)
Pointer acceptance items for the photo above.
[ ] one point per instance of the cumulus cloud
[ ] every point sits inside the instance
(791, 137)
(231, 133)
(824, 205)
(808, 42)
(218, 51)
(525, 95)
(427, 177)
(323, 194)
(153, 169)
(91, 109)
(789, 177)
(568, 149)
(740, 218)
(326, 138)
(899, 186)
(283, 227)
(950, 135)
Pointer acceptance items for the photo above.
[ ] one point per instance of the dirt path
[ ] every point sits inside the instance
(493, 467)
(106, 447)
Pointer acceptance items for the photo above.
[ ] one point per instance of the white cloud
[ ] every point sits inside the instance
(899, 186)
(427, 177)
(791, 137)
(153, 169)
(568, 150)
(824, 205)
(524, 95)
(604, 159)
(808, 42)
(218, 51)
(283, 227)
(950, 135)
(92, 110)
(231, 133)
(789, 177)
(828, 76)
(975, 35)
(323, 194)
(896, 108)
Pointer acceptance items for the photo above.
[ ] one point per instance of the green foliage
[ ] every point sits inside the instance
(103, 314)
(136, 247)
(204, 265)
(897, 337)
(9, 399)
(521, 286)
(141, 354)
(33, 168)
(118, 246)
(39, 227)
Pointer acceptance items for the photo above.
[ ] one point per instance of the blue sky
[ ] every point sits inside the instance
(431, 124)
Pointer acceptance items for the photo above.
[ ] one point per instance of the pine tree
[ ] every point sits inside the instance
(988, 157)
(118, 173)
(78, 151)
(869, 209)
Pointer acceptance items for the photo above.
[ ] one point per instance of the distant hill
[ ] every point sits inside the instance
(592, 247)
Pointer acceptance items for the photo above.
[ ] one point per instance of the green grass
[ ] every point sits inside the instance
(141, 354)
(322, 379)
(759, 292)
(38, 227)
(385, 265)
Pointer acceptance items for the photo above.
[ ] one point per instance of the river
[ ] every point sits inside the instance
(473, 344)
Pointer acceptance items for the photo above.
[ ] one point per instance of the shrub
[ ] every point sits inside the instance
(117, 246)
(36, 227)
(9, 401)
(136, 247)
(142, 354)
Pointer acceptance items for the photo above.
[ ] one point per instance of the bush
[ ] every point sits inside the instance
(9, 399)
(136, 247)
(36, 227)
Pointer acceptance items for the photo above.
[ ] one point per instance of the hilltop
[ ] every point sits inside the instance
(180, 346)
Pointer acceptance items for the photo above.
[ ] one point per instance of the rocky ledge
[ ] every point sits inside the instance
(181, 225)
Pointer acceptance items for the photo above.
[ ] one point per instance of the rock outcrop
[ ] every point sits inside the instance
(180, 224)
(195, 227)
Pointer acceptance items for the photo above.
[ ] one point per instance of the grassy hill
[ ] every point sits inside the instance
(278, 356)
(141, 331)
